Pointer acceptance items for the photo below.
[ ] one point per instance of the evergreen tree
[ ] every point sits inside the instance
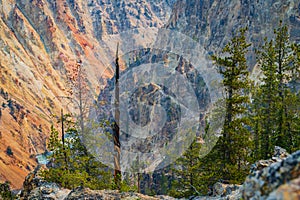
(266, 99)
(5, 191)
(232, 149)
(292, 117)
(284, 60)
(80, 168)
(255, 113)
(186, 173)
(295, 68)
(275, 103)
(295, 100)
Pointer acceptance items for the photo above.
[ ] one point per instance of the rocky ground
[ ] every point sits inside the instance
(276, 178)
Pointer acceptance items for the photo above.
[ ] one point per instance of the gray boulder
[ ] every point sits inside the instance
(268, 175)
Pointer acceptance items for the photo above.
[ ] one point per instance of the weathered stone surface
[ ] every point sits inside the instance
(278, 155)
(37, 188)
(268, 175)
(80, 193)
(288, 191)
(224, 190)
(34, 187)
(273, 179)
(279, 180)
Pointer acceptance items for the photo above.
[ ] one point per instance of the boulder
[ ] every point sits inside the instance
(221, 191)
(272, 176)
(35, 187)
(278, 155)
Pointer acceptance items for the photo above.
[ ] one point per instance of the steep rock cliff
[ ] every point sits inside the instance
(213, 22)
(40, 43)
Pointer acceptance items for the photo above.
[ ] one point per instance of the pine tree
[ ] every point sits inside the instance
(275, 103)
(53, 139)
(295, 101)
(284, 58)
(292, 117)
(234, 144)
(186, 173)
(266, 99)
(80, 168)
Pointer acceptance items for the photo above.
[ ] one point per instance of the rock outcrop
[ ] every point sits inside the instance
(288, 191)
(273, 179)
(276, 177)
(81, 193)
(34, 187)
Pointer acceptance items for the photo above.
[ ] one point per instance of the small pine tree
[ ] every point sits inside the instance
(54, 142)
(186, 173)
